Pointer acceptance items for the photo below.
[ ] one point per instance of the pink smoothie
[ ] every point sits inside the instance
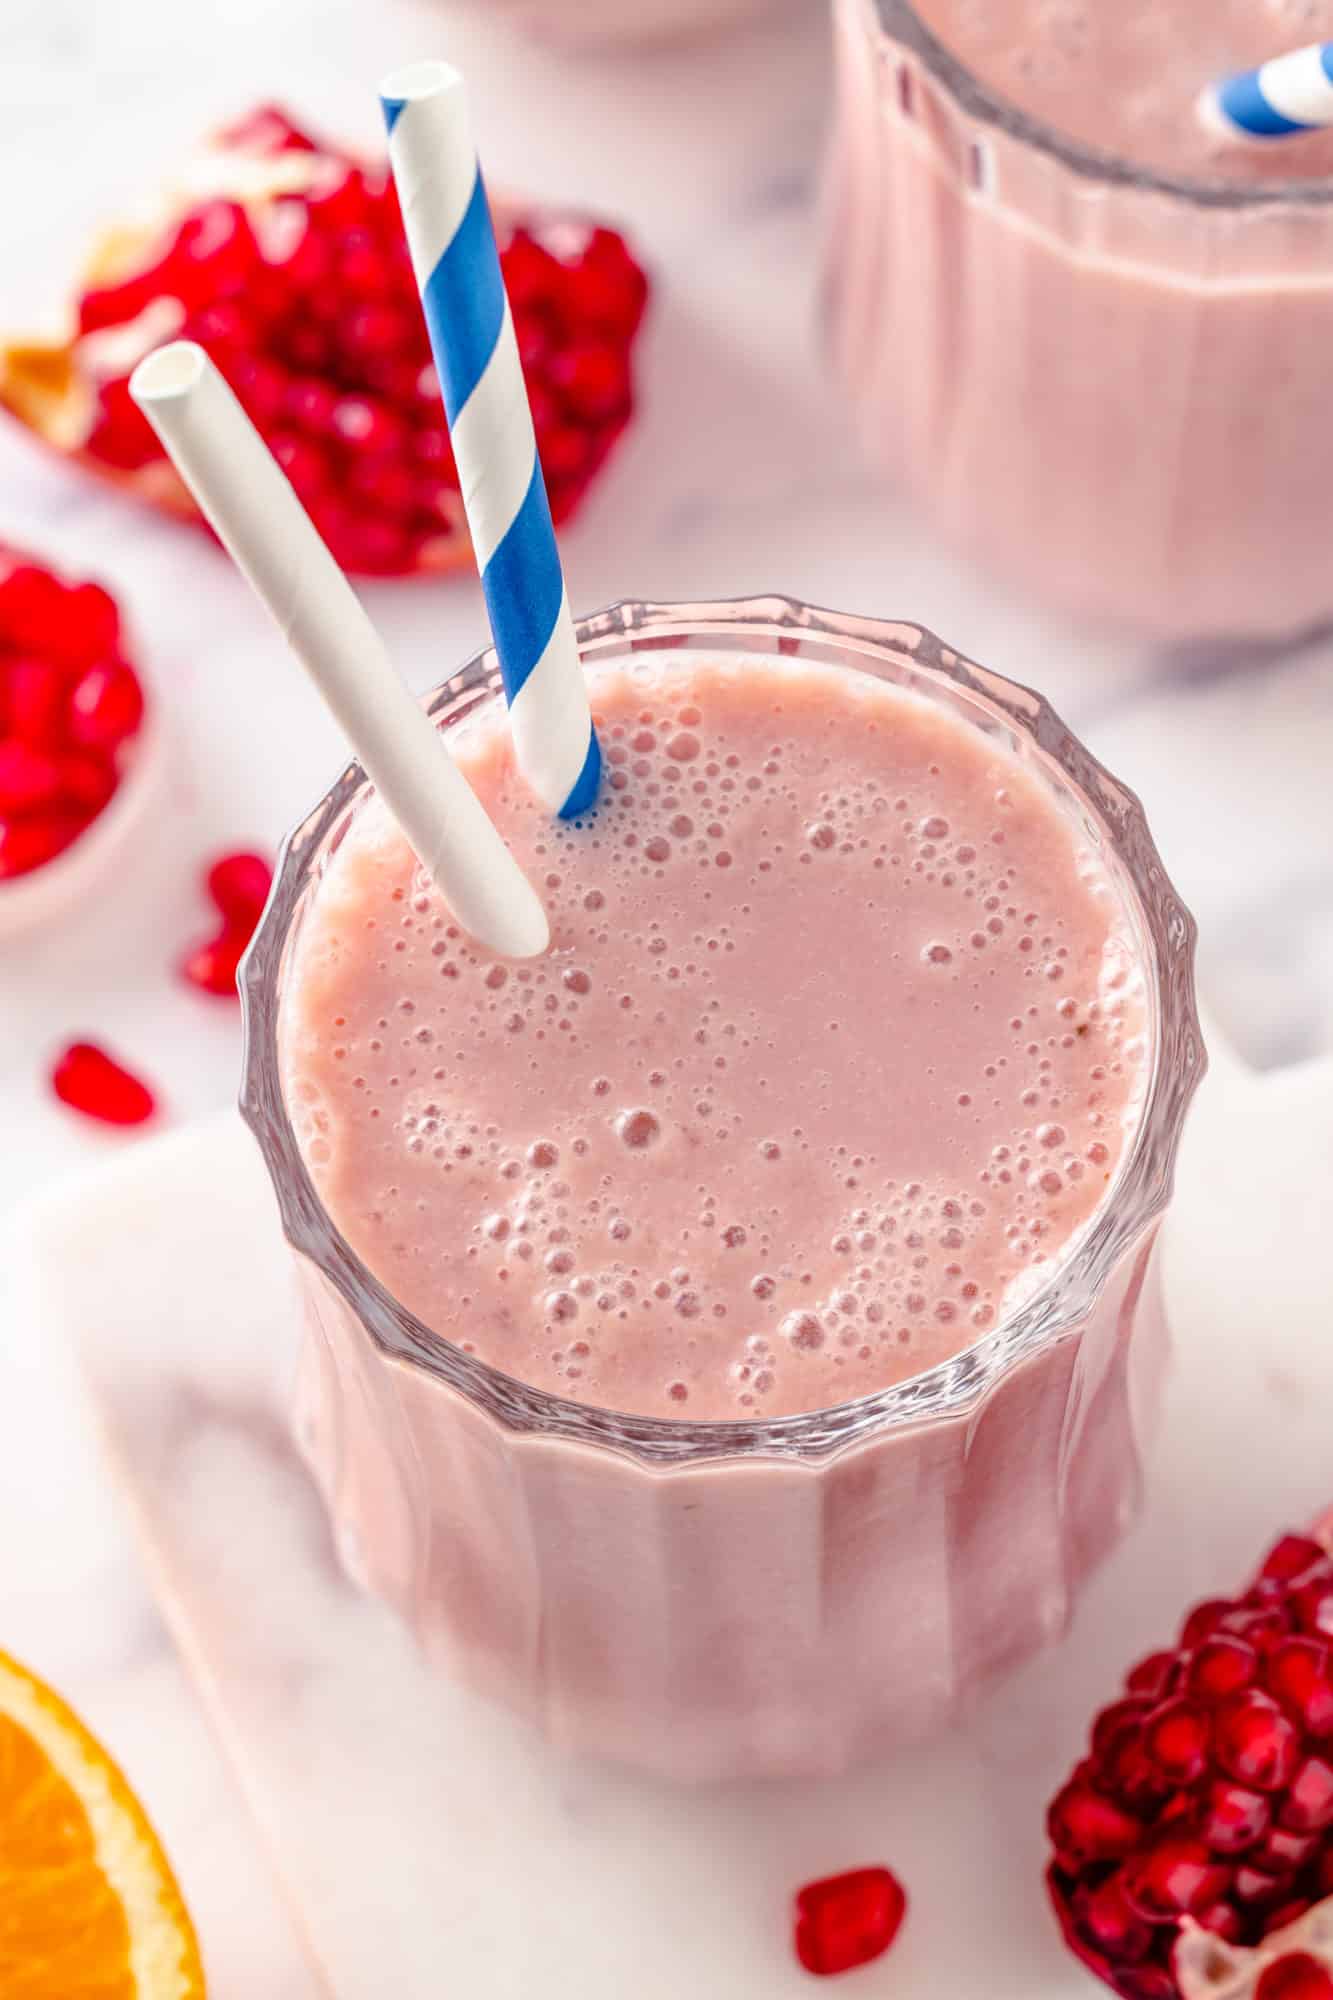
(834, 1054)
(1115, 394)
(1124, 78)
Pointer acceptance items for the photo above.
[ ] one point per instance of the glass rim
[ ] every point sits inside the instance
(900, 19)
(1052, 1311)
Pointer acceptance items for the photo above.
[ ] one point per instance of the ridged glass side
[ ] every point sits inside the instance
(724, 1599)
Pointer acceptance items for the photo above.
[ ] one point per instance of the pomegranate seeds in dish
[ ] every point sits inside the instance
(71, 708)
(294, 274)
(848, 1920)
(1202, 1816)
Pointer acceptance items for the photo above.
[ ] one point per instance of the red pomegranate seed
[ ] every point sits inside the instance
(29, 779)
(31, 602)
(86, 783)
(89, 1080)
(1223, 1920)
(105, 707)
(212, 256)
(1282, 1853)
(1255, 1743)
(1110, 1924)
(239, 885)
(32, 699)
(1295, 1976)
(1173, 1879)
(848, 1920)
(121, 434)
(1202, 1622)
(26, 844)
(86, 627)
(1308, 1807)
(212, 966)
(303, 462)
(1290, 1558)
(1222, 1666)
(1235, 1818)
(1154, 1677)
(1313, 1606)
(1296, 1673)
(593, 380)
(1086, 1827)
(1176, 1737)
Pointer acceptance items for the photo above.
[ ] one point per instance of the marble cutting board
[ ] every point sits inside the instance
(428, 1847)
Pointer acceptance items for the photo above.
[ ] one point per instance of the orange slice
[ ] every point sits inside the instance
(89, 1908)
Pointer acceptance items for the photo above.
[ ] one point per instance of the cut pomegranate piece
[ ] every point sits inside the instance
(1203, 1813)
(70, 709)
(295, 276)
(89, 1080)
(1296, 1976)
(848, 1920)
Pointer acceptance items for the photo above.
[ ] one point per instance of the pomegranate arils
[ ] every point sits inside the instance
(239, 886)
(105, 706)
(1235, 1818)
(1296, 1976)
(29, 779)
(1222, 1666)
(1206, 1798)
(1255, 1743)
(848, 1920)
(307, 303)
(68, 707)
(93, 1082)
(1174, 1879)
(1308, 1807)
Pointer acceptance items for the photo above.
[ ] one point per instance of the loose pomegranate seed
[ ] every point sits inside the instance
(1206, 1799)
(86, 784)
(212, 966)
(308, 305)
(239, 885)
(89, 1080)
(1296, 1976)
(848, 1920)
(105, 706)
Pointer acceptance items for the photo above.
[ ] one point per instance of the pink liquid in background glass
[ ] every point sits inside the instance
(1126, 78)
(835, 1051)
(1114, 394)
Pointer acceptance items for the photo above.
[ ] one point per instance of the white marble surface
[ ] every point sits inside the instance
(428, 1841)
(741, 475)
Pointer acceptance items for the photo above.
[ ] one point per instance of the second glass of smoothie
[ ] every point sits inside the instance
(729, 1335)
(1088, 337)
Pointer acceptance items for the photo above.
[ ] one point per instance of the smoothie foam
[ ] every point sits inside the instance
(836, 1050)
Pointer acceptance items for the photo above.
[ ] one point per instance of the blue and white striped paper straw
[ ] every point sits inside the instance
(452, 241)
(1292, 93)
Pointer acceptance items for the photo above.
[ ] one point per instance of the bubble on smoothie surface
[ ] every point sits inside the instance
(750, 1138)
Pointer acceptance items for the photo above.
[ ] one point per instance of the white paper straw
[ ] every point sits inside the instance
(246, 497)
